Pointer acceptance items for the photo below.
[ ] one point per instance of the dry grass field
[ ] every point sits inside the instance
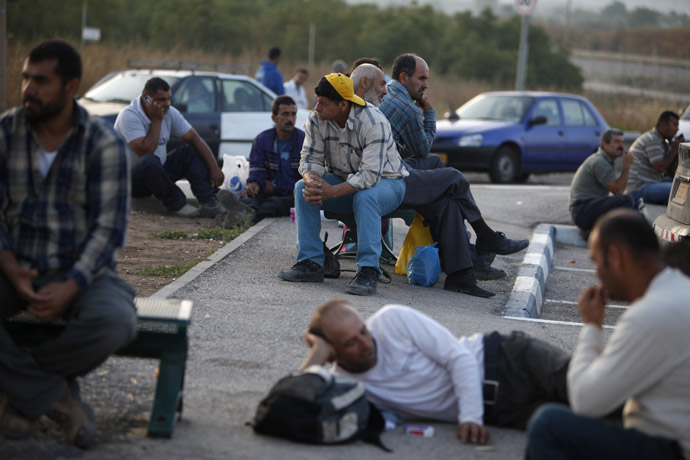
(625, 112)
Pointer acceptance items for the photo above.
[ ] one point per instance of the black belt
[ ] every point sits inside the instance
(490, 384)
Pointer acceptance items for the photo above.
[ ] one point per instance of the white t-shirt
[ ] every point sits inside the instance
(46, 161)
(422, 369)
(133, 123)
(298, 94)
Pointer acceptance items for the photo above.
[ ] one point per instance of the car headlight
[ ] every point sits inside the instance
(470, 140)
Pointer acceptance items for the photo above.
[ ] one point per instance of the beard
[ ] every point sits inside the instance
(371, 96)
(40, 112)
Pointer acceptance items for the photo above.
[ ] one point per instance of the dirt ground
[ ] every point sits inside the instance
(144, 250)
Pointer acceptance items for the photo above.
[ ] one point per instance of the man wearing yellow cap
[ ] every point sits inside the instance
(349, 163)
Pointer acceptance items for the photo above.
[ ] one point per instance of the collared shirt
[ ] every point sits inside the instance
(76, 217)
(592, 177)
(413, 130)
(265, 161)
(649, 148)
(133, 123)
(361, 153)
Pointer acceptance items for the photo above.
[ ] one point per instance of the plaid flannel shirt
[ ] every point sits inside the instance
(76, 217)
(362, 154)
(413, 130)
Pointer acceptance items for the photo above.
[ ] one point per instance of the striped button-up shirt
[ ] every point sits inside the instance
(649, 148)
(413, 130)
(361, 153)
(75, 218)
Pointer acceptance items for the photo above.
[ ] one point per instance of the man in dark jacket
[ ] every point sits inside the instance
(274, 163)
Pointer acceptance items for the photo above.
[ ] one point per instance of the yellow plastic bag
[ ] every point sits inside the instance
(417, 235)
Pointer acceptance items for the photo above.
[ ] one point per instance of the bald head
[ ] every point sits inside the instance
(342, 327)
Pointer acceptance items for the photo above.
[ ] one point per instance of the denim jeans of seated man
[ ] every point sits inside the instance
(368, 206)
(656, 193)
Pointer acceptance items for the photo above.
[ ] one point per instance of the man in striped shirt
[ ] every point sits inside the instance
(653, 152)
(64, 207)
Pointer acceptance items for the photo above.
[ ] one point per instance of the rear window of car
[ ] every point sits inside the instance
(123, 87)
(242, 96)
(576, 113)
(499, 108)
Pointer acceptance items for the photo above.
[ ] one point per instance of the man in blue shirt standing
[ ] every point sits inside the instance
(274, 163)
(268, 73)
(64, 208)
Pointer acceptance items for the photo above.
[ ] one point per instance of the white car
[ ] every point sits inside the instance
(684, 123)
(227, 110)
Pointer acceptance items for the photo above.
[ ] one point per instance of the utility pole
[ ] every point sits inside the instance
(524, 8)
(312, 41)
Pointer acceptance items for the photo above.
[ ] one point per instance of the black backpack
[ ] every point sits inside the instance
(314, 406)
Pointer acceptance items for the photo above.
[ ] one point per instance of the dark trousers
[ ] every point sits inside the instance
(101, 320)
(529, 372)
(556, 433)
(269, 206)
(585, 214)
(428, 162)
(150, 177)
(443, 198)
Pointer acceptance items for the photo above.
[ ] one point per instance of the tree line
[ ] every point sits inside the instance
(482, 47)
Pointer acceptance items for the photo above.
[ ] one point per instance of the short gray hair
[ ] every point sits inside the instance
(369, 71)
(608, 134)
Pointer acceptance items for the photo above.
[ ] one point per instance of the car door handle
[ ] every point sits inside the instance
(597, 133)
(560, 133)
(215, 129)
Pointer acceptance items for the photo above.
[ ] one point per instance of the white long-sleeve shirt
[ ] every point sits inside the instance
(645, 364)
(422, 369)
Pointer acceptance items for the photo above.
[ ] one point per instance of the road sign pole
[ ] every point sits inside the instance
(522, 54)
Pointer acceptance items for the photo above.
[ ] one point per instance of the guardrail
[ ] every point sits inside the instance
(632, 58)
(189, 65)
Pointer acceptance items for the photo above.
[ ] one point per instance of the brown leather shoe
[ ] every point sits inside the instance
(74, 420)
(12, 424)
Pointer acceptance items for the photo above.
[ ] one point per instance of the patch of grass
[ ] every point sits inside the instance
(168, 271)
(170, 235)
(221, 234)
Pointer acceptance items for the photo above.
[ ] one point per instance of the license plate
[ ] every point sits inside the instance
(443, 156)
(681, 193)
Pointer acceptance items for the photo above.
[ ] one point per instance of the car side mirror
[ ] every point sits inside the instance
(181, 107)
(538, 120)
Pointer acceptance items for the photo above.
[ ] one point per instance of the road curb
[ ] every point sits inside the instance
(211, 260)
(528, 291)
(527, 297)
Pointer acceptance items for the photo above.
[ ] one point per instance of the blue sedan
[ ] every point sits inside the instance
(511, 134)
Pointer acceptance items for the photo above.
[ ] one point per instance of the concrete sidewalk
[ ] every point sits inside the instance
(246, 333)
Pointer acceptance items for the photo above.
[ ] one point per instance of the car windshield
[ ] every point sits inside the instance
(496, 107)
(123, 87)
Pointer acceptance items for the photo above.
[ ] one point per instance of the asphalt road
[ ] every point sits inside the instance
(246, 333)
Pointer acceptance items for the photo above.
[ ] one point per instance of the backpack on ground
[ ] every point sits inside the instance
(314, 406)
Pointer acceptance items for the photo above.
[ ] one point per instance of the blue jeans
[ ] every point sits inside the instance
(368, 206)
(555, 432)
(656, 193)
(150, 177)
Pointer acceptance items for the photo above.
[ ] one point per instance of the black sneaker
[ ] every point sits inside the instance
(483, 272)
(499, 244)
(306, 271)
(466, 284)
(211, 209)
(364, 282)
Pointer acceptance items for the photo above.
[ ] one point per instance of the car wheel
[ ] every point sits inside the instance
(505, 166)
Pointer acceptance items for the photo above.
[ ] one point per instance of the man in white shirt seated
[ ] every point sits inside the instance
(413, 367)
(645, 364)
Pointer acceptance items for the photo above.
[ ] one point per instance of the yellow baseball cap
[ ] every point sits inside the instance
(344, 86)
